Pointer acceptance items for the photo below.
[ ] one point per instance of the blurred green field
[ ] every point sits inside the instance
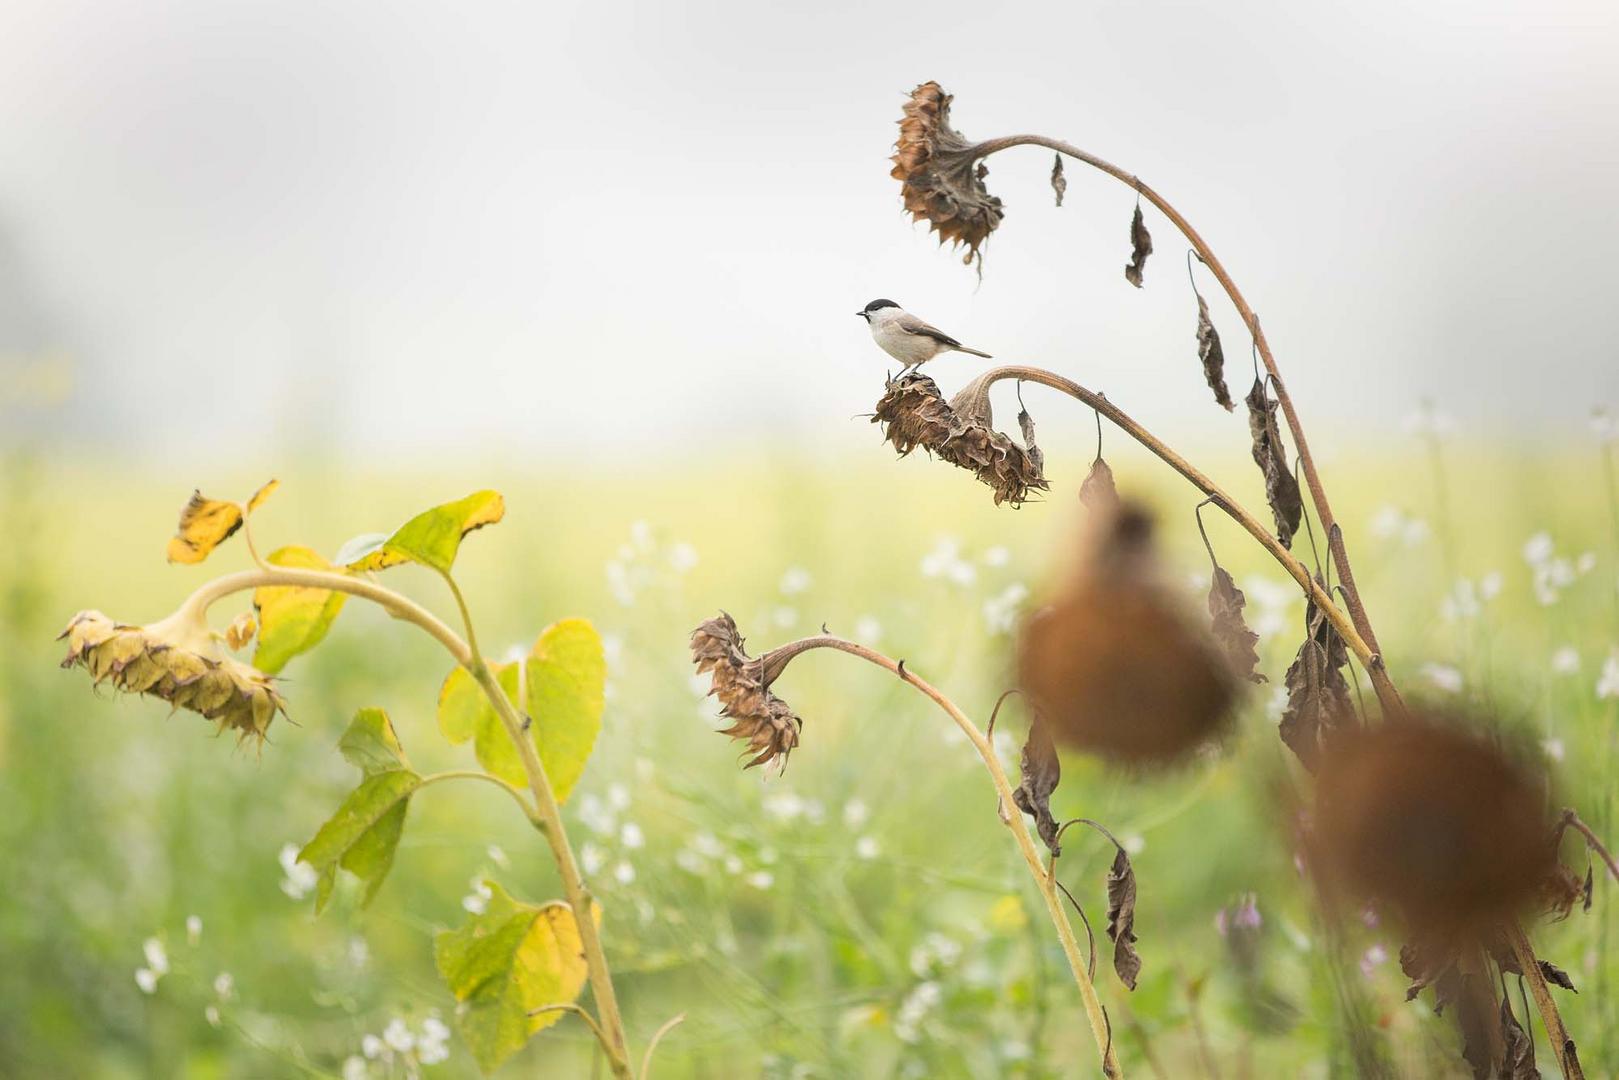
(862, 915)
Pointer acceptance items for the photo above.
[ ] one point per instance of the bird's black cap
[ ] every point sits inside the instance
(875, 305)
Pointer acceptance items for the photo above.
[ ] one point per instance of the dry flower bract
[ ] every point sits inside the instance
(758, 717)
(1140, 248)
(915, 414)
(1115, 666)
(1212, 356)
(1318, 702)
(942, 182)
(1436, 821)
(1281, 489)
(179, 661)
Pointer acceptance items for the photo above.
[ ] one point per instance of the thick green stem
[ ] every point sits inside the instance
(549, 816)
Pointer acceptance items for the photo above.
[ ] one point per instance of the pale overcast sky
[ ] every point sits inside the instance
(464, 228)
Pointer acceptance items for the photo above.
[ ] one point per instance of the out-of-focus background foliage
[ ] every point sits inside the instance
(606, 258)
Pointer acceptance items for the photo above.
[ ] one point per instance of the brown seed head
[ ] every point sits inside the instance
(760, 718)
(1115, 665)
(941, 180)
(179, 661)
(1435, 820)
(915, 414)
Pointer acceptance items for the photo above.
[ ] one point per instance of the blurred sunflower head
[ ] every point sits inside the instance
(178, 660)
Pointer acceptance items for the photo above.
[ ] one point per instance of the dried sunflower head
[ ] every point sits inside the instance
(1432, 817)
(1115, 665)
(178, 660)
(915, 414)
(760, 718)
(941, 180)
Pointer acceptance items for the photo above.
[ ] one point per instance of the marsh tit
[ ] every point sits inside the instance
(906, 338)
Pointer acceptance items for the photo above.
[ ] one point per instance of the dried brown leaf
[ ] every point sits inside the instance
(1213, 357)
(1318, 701)
(1098, 491)
(1041, 772)
(1281, 489)
(1121, 918)
(1059, 182)
(1556, 975)
(1519, 1063)
(1140, 248)
(1037, 456)
(1230, 631)
(1587, 890)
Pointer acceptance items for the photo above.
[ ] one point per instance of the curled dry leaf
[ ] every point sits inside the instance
(1226, 602)
(206, 523)
(1281, 489)
(1098, 491)
(1431, 819)
(1059, 182)
(915, 414)
(1212, 356)
(240, 631)
(1519, 1063)
(1318, 702)
(1037, 456)
(742, 683)
(1114, 665)
(941, 180)
(1140, 248)
(1041, 772)
(1121, 918)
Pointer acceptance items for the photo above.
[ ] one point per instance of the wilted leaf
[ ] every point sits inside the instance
(240, 631)
(1556, 975)
(363, 834)
(293, 619)
(431, 538)
(1121, 919)
(1519, 1063)
(1213, 357)
(1098, 491)
(1037, 456)
(1041, 771)
(258, 497)
(1140, 248)
(567, 686)
(204, 524)
(503, 964)
(1588, 891)
(1059, 182)
(1230, 631)
(1317, 693)
(1281, 489)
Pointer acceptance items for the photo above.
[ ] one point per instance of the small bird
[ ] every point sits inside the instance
(906, 338)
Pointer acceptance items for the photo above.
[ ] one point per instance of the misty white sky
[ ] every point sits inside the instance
(456, 229)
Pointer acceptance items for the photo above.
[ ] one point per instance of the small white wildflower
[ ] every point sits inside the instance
(1443, 677)
(146, 979)
(733, 865)
(1133, 843)
(371, 1047)
(1608, 680)
(641, 535)
(612, 649)
(1414, 532)
(682, 558)
(1372, 958)
(193, 929)
(708, 845)
(1538, 548)
(210, 1013)
(1553, 749)
(631, 836)
(398, 1036)
(1387, 522)
(1586, 563)
(497, 855)
(689, 861)
(866, 848)
(434, 1030)
(224, 986)
(596, 816)
(618, 796)
(868, 630)
(1489, 586)
(855, 813)
(624, 873)
(300, 878)
(591, 858)
(430, 1047)
(477, 901)
(157, 957)
(997, 556)
(784, 805)
(359, 952)
(618, 583)
(814, 811)
(761, 879)
(795, 580)
(784, 616)
(1276, 704)
(1001, 610)
(432, 1053)
(354, 1068)
(1566, 660)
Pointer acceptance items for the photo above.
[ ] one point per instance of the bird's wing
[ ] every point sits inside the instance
(912, 325)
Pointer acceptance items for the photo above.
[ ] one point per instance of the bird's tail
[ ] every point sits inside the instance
(973, 352)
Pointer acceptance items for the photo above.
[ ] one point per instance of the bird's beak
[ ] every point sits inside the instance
(860, 314)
